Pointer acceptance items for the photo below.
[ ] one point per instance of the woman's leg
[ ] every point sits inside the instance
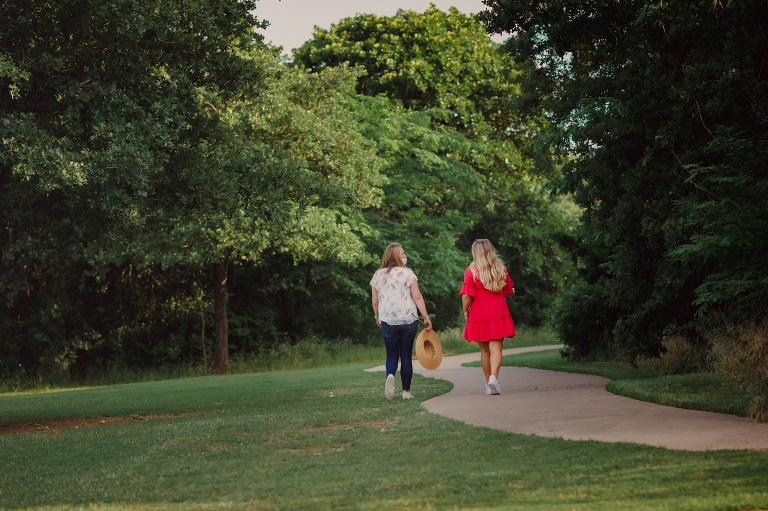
(391, 344)
(406, 354)
(494, 347)
(485, 359)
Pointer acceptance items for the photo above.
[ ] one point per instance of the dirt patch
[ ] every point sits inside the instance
(340, 425)
(41, 426)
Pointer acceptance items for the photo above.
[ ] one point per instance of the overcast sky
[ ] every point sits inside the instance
(292, 21)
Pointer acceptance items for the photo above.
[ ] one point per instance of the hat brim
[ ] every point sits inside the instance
(428, 350)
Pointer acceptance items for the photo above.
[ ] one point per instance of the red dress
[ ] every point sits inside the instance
(489, 317)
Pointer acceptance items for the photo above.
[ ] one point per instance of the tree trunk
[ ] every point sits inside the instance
(202, 340)
(221, 354)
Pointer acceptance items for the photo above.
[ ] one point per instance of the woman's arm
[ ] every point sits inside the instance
(466, 301)
(375, 304)
(416, 295)
(467, 292)
(509, 286)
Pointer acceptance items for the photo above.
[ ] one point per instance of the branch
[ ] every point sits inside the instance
(693, 182)
(702, 123)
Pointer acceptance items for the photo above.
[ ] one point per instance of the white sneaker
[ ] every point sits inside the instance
(487, 389)
(493, 383)
(389, 388)
(407, 395)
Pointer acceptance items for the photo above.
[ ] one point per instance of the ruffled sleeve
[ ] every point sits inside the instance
(509, 285)
(410, 277)
(469, 284)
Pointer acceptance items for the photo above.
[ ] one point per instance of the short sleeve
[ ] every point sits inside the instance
(410, 277)
(375, 281)
(508, 286)
(469, 284)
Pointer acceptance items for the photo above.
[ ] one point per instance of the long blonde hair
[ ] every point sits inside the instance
(487, 266)
(392, 257)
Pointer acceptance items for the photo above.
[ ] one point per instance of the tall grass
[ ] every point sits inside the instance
(736, 354)
(741, 354)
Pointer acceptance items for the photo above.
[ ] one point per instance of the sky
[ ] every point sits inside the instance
(292, 21)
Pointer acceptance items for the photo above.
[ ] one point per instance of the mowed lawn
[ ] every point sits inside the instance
(281, 441)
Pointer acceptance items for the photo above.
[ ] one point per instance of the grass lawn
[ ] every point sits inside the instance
(306, 354)
(698, 391)
(280, 440)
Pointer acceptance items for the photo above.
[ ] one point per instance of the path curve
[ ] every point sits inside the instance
(577, 407)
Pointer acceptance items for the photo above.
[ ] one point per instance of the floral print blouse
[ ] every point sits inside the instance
(396, 307)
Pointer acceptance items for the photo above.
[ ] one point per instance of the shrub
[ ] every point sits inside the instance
(681, 356)
(741, 354)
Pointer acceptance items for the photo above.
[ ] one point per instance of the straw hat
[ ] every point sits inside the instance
(428, 350)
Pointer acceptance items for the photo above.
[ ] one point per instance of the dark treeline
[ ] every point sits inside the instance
(660, 111)
(162, 169)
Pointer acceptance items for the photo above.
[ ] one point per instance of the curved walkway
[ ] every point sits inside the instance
(577, 407)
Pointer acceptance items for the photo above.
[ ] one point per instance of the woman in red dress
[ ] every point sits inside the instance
(485, 308)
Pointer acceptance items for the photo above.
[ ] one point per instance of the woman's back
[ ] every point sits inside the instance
(487, 305)
(396, 306)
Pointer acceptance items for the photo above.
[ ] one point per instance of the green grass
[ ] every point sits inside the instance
(309, 353)
(699, 391)
(263, 441)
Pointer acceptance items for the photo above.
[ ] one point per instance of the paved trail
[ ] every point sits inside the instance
(577, 407)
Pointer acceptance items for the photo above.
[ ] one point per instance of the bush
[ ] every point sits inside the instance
(580, 317)
(680, 356)
(740, 353)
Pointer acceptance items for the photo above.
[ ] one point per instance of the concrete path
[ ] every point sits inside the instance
(577, 407)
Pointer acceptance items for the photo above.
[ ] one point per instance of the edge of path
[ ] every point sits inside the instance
(577, 407)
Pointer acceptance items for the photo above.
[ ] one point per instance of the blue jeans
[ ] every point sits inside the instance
(399, 342)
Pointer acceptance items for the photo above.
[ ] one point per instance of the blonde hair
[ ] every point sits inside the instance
(487, 266)
(392, 257)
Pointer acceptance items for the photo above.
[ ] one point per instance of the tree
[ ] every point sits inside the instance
(435, 60)
(474, 178)
(653, 102)
(101, 130)
(313, 118)
(258, 193)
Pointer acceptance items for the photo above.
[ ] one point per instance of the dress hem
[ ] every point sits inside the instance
(491, 330)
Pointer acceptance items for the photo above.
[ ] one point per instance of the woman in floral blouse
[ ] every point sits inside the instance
(395, 297)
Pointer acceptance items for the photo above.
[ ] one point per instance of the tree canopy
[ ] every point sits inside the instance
(163, 170)
(104, 139)
(444, 67)
(659, 113)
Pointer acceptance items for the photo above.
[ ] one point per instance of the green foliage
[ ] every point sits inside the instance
(464, 177)
(661, 107)
(103, 141)
(428, 60)
(305, 268)
(729, 228)
(430, 196)
(144, 153)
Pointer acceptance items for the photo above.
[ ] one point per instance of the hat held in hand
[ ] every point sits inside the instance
(428, 350)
